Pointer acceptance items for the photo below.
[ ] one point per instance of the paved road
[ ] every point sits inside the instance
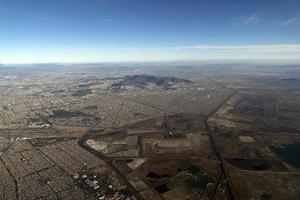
(215, 149)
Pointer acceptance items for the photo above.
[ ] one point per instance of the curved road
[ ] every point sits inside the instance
(82, 142)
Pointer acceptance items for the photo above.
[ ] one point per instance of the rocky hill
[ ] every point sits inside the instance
(145, 81)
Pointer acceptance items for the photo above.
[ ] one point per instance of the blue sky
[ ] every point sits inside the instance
(148, 30)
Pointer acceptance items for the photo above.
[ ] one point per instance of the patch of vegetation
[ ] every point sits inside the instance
(162, 188)
(65, 113)
(250, 164)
